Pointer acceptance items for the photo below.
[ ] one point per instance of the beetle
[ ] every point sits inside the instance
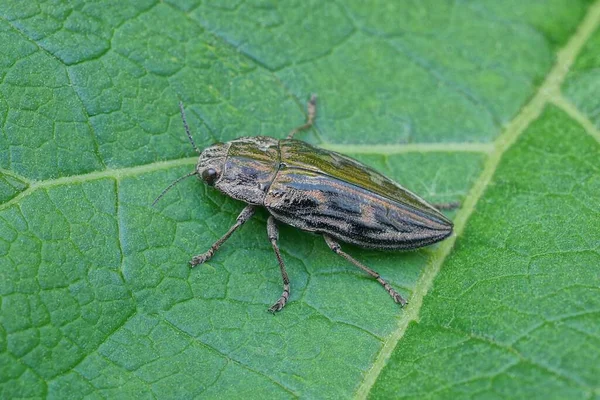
(318, 191)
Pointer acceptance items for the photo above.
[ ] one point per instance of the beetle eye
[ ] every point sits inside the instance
(209, 176)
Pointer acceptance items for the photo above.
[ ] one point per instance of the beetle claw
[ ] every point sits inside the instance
(275, 308)
(199, 259)
(397, 298)
(279, 304)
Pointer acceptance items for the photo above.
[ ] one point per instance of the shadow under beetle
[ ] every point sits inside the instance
(318, 191)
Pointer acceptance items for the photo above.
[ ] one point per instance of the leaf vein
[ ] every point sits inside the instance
(513, 130)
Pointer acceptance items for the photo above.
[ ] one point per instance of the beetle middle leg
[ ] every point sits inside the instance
(273, 233)
(244, 216)
(335, 246)
(310, 119)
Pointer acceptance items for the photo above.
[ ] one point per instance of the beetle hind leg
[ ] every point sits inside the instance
(310, 118)
(336, 248)
(273, 233)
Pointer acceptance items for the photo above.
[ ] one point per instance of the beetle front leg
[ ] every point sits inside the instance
(273, 233)
(335, 246)
(244, 216)
(310, 119)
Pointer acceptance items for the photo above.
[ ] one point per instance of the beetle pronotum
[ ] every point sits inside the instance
(318, 191)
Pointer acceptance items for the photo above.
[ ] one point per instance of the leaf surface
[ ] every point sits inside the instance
(491, 103)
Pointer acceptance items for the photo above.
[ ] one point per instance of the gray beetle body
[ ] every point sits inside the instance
(323, 192)
(318, 191)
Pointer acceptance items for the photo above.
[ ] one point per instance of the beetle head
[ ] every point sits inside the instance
(210, 163)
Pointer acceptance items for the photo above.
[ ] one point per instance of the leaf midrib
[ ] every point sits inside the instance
(548, 93)
(119, 173)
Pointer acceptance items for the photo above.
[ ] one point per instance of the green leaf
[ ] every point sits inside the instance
(491, 103)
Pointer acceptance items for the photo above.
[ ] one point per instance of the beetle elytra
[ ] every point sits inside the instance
(319, 191)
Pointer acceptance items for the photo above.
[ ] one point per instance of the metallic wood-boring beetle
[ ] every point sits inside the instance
(318, 191)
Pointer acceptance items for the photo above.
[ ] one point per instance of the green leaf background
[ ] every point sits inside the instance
(491, 103)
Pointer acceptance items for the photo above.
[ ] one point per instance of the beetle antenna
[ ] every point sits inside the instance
(171, 185)
(187, 128)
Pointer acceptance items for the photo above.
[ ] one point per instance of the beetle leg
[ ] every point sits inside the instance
(244, 216)
(452, 205)
(335, 246)
(312, 112)
(273, 233)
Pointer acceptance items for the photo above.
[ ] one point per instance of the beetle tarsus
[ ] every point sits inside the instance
(395, 295)
(282, 301)
(202, 258)
(244, 216)
(311, 108)
(452, 205)
(337, 249)
(273, 233)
